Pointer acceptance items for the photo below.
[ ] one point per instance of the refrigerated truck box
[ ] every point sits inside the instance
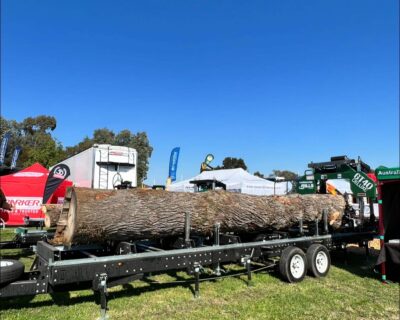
(103, 166)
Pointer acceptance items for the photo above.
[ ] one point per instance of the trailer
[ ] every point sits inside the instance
(299, 250)
(104, 166)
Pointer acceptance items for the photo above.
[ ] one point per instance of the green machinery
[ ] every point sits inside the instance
(355, 171)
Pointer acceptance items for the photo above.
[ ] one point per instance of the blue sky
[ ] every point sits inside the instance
(278, 83)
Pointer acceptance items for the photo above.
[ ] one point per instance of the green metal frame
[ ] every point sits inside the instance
(361, 185)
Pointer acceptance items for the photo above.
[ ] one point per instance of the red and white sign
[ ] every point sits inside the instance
(24, 191)
(27, 204)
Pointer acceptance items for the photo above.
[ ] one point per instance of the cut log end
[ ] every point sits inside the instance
(52, 213)
(66, 224)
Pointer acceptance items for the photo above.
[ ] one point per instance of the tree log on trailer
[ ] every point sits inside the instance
(91, 215)
(52, 214)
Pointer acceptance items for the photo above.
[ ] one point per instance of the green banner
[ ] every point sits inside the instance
(388, 173)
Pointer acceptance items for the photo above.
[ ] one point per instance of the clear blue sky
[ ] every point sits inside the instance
(278, 83)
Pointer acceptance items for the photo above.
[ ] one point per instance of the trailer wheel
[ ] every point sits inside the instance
(319, 260)
(293, 264)
(10, 270)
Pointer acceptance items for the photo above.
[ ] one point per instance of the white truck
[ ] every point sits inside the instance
(104, 166)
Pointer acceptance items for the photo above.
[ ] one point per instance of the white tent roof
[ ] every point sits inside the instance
(342, 185)
(181, 186)
(236, 180)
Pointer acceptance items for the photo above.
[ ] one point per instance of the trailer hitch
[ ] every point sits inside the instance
(100, 286)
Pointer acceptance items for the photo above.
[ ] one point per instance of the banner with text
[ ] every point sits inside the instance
(173, 163)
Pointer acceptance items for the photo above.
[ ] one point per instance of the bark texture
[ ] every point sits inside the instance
(91, 215)
(52, 214)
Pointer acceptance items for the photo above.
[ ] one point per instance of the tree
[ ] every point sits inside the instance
(259, 174)
(38, 124)
(33, 134)
(232, 163)
(103, 136)
(126, 138)
(86, 143)
(288, 175)
(46, 150)
(141, 143)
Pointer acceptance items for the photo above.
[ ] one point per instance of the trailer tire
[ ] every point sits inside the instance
(10, 270)
(319, 260)
(293, 264)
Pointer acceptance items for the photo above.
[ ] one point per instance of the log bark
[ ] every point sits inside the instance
(52, 213)
(91, 215)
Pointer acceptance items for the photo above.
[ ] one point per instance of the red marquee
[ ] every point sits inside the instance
(24, 191)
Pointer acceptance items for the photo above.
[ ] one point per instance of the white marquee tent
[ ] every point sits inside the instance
(342, 185)
(236, 180)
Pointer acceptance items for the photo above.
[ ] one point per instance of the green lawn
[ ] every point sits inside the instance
(350, 291)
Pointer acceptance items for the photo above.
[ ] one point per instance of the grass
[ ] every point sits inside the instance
(351, 291)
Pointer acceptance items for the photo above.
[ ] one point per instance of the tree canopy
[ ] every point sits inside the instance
(34, 135)
(288, 175)
(125, 138)
(259, 174)
(232, 163)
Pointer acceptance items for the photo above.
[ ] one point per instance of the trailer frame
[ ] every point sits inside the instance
(99, 267)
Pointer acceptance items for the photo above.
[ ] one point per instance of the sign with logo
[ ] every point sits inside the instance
(3, 147)
(14, 159)
(388, 173)
(306, 185)
(25, 204)
(28, 174)
(57, 175)
(362, 182)
(173, 163)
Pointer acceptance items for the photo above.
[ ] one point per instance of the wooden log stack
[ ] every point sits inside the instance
(92, 216)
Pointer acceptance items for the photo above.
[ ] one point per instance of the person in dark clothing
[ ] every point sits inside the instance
(3, 202)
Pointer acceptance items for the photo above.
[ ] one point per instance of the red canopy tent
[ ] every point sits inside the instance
(24, 191)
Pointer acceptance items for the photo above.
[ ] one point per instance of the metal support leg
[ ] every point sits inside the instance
(197, 281)
(301, 229)
(325, 219)
(187, 230)
(102, 289)
(345, 254)
(366, 251)
(361, 207)
(248, 267)
(217, 268)
(372, 217)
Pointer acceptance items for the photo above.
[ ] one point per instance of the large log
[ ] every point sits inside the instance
(91, 215)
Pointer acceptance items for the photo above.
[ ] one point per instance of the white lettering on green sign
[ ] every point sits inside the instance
(362, 182)
(389, 172)
(306, 185)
